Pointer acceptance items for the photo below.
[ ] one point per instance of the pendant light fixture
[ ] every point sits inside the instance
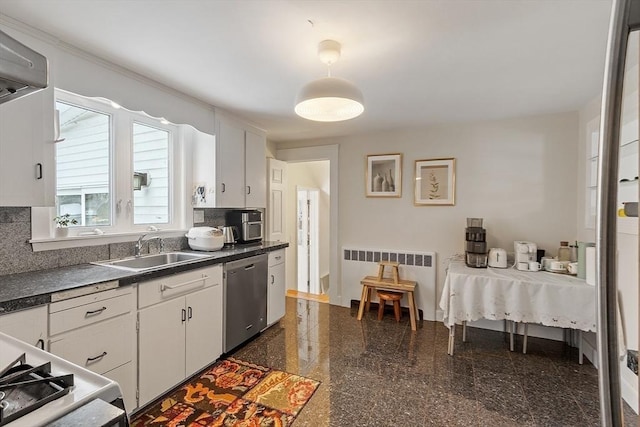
(329, 99)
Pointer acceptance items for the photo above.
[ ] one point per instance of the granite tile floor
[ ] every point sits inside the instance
(380, 373)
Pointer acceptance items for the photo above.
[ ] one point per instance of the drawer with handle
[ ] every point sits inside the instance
(276, 257)
(100, 347)
(168, 287)
(89, 309)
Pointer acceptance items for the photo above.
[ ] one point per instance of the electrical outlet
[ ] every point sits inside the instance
(632, 360)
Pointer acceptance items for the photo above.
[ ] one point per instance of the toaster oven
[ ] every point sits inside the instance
(249, 224)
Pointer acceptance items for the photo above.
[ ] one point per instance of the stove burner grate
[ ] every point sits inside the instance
(24, 388)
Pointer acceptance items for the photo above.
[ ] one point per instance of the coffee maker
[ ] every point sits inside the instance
(476, 244)
(525, 252)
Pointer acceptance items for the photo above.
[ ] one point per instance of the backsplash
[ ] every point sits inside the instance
(213, 217)
(17, 256)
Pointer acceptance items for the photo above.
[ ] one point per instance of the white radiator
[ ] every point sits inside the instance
(417, 266)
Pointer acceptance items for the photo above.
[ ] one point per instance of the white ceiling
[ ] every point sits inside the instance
(417, 62)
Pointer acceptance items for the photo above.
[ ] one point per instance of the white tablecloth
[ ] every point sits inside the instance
(540, 297)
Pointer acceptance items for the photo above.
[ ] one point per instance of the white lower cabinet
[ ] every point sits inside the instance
(28, 325)
(97, 332)
(181, 331)
(276, 287)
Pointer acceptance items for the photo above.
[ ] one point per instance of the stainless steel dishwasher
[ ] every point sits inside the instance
(245, 296)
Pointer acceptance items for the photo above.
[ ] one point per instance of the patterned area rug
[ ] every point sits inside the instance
(233, 393)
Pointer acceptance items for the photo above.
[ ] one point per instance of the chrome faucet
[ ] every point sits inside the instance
(140, 243)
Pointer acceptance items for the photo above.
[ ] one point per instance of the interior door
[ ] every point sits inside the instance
(302, 239)
(161, 348)
(277, 184)
(308, 241)
(204, 328)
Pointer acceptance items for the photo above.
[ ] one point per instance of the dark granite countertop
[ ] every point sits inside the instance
(24, 290)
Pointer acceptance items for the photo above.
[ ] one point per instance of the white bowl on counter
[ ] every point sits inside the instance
(205, 239)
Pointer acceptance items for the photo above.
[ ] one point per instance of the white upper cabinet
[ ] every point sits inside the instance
(240, 166)
(27, 150)
(230, 165)
(255, 175)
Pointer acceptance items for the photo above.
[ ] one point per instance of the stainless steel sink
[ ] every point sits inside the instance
(149, 262)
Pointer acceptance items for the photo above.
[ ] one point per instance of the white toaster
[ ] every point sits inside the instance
(497, 258)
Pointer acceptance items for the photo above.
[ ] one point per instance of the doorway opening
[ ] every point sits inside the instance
(307, 240)
(308, 190)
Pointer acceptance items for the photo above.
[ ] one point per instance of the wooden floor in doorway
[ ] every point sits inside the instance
(310, 297)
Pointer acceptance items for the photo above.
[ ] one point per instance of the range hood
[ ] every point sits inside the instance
(22, 70)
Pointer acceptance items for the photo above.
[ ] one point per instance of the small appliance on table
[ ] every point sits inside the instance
(476, 244)
(526, 252)
(497, 258)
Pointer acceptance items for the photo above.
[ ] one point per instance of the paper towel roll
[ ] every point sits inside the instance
(590, 261)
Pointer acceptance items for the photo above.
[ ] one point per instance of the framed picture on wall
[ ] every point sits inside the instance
(384, 175)
(435, 182)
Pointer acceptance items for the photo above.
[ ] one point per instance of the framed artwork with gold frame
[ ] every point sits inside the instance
(435, 182)
(384, 175)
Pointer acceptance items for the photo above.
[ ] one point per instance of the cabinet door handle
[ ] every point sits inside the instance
(272, 279)
(224, 187)
(40, 344)
(38, 170)
(250, 267)
(184, 315)
(92, 312)
(248, 189)
(249, 327)
(171, 287)
(278, 257)
(190, 313)
(98, 357)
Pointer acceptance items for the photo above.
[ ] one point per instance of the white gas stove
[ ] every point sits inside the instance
(86, 386)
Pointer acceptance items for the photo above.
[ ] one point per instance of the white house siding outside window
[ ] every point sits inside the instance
(103, 148)
(83, 165)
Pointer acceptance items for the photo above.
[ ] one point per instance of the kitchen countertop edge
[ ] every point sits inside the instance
(30, 289)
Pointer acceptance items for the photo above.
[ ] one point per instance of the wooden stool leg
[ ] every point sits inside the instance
(412, 310)
(396, 309)
(363, 302)
(381, 309)
(368, 299)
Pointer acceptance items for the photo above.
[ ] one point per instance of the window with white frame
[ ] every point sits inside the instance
(114, 167)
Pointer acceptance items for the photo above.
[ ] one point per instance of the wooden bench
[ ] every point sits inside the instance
(393, 283)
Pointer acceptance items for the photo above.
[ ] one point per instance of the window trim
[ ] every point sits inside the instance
(122, 227)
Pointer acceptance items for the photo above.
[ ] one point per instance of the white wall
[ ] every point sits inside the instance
(519, 175)
(80, 72)
(310, 175)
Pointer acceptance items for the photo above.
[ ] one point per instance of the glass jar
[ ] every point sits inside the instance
(564, 253)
